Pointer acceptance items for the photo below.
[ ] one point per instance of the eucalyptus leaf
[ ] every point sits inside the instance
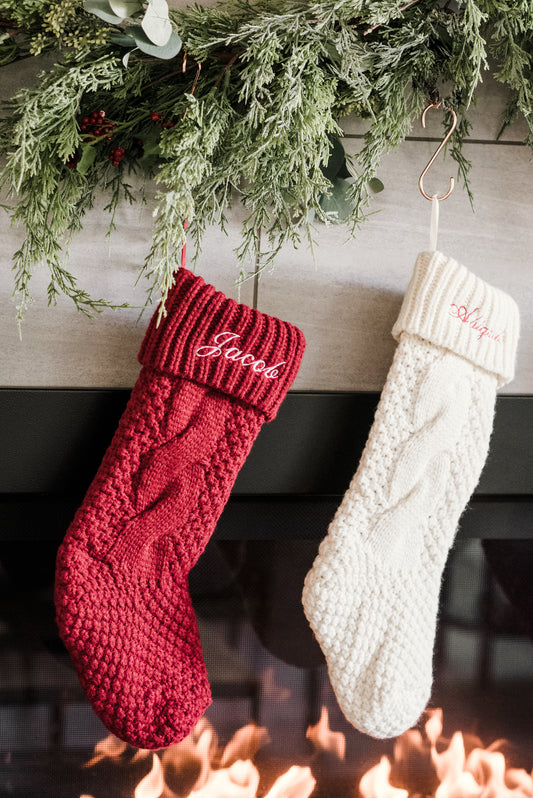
(88, 157)
(337, 158)
(123, 39)
(169, 50)
(124, 8)
(338, 204)
(152, 155)
(375, 185)
(344, 171)
(156, 23)
(151, 139)
(102, 9)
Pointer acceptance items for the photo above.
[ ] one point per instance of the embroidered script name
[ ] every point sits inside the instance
(467, 317)
(218, 349)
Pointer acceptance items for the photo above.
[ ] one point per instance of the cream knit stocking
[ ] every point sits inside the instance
(371, 596)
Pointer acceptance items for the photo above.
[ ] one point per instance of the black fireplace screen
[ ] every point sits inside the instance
(274, 728)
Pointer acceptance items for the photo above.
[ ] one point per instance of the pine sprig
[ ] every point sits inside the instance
(39, 138)
(196, 135)
(250, 116)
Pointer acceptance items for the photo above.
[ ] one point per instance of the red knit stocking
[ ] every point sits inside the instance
(213, 372)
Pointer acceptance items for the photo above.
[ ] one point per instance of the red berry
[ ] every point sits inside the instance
(155, 116)
(116, 155)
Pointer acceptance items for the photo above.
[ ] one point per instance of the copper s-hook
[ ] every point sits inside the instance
(437, 151)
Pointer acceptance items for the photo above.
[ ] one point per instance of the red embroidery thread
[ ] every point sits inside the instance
(462, 313)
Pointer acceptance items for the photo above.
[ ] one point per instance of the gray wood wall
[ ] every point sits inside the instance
(345, 304)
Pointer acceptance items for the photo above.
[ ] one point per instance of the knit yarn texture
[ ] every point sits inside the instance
(213, 371)
(372, 594)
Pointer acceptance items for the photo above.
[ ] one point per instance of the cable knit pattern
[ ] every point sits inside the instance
(122, 602)
(372, 594)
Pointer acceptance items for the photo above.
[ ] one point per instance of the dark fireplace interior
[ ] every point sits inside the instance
(274, 728)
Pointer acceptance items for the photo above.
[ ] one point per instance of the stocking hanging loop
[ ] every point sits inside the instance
(437, 151)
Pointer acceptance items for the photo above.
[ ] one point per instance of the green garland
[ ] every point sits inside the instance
(251, 111)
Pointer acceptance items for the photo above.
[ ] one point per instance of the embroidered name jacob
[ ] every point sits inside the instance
(220, 348)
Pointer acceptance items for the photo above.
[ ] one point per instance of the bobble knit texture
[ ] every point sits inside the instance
(372, 594)
(122, 602)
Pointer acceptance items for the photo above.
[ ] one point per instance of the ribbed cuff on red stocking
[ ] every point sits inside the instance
(213, 340)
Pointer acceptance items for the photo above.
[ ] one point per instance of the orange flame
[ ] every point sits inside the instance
(480, 774)
(326, 740)
(240, 780)
(109, 747)
(376, 782)
(246, 742)
(153, 784)
(199, 768)
(210, 772)
(297, 782)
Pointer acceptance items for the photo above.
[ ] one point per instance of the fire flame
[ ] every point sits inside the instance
(423, 764)
(153, 784)
(326, 740)
(212, 773)
(109, 747)
(480, 774)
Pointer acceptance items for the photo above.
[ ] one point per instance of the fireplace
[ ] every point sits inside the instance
(274, 728)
